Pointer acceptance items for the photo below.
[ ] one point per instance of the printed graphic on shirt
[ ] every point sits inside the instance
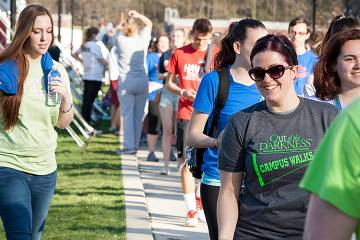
(302, 72)
(281, 156)
(194, 72)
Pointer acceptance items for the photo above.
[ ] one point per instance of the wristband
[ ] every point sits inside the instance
(68, 110)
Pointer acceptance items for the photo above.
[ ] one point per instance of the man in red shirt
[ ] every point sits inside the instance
(189, 63)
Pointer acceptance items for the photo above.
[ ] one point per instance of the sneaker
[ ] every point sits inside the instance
(173, 157)
(112, 130)
(200, 210)
(152, 157)
(94, 132)
(126, 151)
(165, 171)
(191, 218)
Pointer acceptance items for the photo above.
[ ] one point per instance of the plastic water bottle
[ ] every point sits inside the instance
(53, 98)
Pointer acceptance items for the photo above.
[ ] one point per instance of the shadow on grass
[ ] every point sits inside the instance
(89, 165)
(102, 193)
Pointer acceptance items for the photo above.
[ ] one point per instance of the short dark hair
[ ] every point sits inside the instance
(276, 43)
(298, 20)
(202, 25)
(326, 80)
(90, 32)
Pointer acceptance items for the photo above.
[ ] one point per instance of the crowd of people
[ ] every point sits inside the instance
(276, 163)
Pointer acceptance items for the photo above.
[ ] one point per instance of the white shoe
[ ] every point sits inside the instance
(165, 171)
(191, 219)
(201, 216)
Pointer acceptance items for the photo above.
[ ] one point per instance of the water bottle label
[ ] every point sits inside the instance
(53, 98)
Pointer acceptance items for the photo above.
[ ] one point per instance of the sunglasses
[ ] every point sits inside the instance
(258, 74)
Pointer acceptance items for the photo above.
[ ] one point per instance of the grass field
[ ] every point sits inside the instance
(88, 202)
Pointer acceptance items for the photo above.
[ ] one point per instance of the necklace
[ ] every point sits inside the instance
(338, 103)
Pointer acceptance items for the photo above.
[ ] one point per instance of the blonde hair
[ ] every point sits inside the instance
(130, 29)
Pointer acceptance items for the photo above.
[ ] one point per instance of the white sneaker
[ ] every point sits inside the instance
(201, 215)
(191, 219)
(165, 171)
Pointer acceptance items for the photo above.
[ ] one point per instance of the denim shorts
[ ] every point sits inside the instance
(168, 98)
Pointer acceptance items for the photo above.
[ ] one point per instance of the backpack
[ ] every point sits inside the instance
(195, 156)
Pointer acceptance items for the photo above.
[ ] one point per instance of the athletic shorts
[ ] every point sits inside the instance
(153, 117)
(180, 137)
(168, 98)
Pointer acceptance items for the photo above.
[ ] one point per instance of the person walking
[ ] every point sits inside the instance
(161, 45)
(338, 24)
(188, 62)
(267, 147)
(234, 55)
(299, 32)
(334, 208)
(336, 76)
(27, 119)
(131, 49)
(168, 105)
(94, 56)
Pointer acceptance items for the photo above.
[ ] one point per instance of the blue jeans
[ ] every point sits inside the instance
(24, 203)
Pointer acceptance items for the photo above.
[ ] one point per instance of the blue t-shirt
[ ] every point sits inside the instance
(240, 97)
(307, 62)
(152, 62)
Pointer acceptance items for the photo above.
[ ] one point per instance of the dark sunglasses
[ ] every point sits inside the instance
(258, 74)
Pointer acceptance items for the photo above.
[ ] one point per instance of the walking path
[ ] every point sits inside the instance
(155, 208)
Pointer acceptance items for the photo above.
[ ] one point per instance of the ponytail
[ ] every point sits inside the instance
(237, 32)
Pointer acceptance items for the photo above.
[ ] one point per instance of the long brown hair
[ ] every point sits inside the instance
(10, 104)
(326, 80)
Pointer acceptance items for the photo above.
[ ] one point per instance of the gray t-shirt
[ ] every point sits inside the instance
(130, 54)
(273, 150)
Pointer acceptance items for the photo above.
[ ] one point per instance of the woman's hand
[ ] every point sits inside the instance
(189, 94)
(59, 86)
(133, 14)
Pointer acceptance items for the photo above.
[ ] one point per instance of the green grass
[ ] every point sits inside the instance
(88, 202)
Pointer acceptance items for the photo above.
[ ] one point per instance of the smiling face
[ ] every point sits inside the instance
(41, 36)
(275, 91)
(348, 65)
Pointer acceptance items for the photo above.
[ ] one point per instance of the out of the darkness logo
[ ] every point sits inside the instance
(290, 143)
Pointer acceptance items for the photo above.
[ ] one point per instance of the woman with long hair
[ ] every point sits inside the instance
(27, 136)
(267, 147)
(338, 24)
(337, 74)
(234, 56)
(161, 45)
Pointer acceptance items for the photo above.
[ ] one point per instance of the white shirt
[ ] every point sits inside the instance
(91, 56)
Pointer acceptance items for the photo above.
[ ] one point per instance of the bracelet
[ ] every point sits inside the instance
(66, 111)
(182, 92)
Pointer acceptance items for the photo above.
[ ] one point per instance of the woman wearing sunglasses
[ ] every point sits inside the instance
(268, 147)
(234, 56)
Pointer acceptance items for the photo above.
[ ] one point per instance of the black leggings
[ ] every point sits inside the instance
(91, 89)
(209, 195)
